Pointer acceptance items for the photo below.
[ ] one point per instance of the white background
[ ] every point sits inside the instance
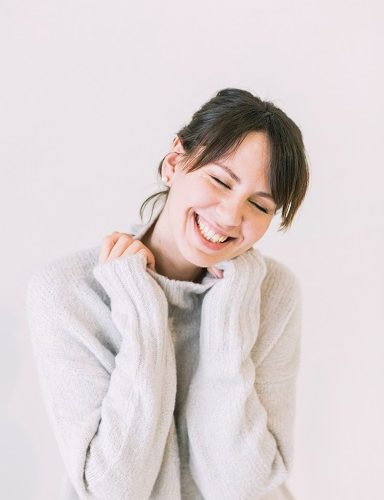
(91, 95)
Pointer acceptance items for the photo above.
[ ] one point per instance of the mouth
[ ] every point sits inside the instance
(203, 238)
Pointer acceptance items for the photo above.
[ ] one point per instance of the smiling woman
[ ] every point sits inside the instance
(168, 355)
(225, 207)
(222, 123)
(237, 164)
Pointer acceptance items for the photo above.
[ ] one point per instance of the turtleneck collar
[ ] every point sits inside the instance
(178, 292)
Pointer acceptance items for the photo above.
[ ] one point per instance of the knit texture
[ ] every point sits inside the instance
(166, 389)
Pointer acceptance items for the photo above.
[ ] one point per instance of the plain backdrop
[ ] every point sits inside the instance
(91, 95)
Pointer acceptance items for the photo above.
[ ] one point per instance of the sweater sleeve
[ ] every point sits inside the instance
(112, 414)
(240, 408)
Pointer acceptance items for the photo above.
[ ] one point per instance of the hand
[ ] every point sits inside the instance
(218, 273)
(119, 244)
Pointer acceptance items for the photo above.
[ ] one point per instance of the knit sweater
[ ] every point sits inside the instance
(164, 389)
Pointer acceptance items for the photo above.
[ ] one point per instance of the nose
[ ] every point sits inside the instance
(229, 214)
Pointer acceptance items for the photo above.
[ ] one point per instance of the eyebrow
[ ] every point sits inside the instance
(237, 179)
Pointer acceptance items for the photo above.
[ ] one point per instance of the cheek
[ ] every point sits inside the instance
(262, 228)
(255, 230)
(200, 192)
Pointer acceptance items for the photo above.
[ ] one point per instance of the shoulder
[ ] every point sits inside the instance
(65, 278)
(73, 269)
(67, 268)
(281, 285)
(69, 278)
(68, 311)
(277, 348)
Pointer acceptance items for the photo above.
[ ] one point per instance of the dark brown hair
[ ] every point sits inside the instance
(219, 127)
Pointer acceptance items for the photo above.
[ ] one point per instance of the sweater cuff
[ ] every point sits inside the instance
(231, 312)
(243, 266)
(127, 279)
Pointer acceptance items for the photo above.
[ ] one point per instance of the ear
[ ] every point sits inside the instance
(172, 160)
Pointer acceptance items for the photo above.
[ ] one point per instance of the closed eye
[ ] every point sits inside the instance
(228, 187)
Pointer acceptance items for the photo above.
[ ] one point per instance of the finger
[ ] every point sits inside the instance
(125, 242)
(150, 258)
(106, 246)
(143, 249)
(218, 273)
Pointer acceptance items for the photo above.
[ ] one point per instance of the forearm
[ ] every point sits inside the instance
(142, 390)
(135, 419)
(233, 454)
(112, 414)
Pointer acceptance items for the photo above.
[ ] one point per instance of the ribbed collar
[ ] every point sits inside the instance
(178, 292)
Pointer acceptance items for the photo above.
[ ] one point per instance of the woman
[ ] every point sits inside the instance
(168, 355)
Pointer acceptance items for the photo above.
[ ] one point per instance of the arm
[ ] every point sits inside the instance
(112, 415)
(240, 409)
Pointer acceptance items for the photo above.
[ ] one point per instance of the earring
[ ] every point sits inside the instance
(165, 179)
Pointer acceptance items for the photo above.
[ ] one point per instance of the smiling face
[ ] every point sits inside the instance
(232, 204)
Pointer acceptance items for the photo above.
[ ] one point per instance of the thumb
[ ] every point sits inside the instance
(149, 258)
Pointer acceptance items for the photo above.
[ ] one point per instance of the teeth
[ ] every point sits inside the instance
(208, 234)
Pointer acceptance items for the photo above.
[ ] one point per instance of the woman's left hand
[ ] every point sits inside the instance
(219, 273)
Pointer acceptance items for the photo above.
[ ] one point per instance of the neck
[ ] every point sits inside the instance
(163, 251)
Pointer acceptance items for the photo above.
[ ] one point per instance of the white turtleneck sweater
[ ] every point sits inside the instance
(164, 389)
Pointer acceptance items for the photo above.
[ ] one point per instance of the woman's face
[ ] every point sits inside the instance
(238, 210)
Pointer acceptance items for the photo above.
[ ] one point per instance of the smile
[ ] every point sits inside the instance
(210, 239)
